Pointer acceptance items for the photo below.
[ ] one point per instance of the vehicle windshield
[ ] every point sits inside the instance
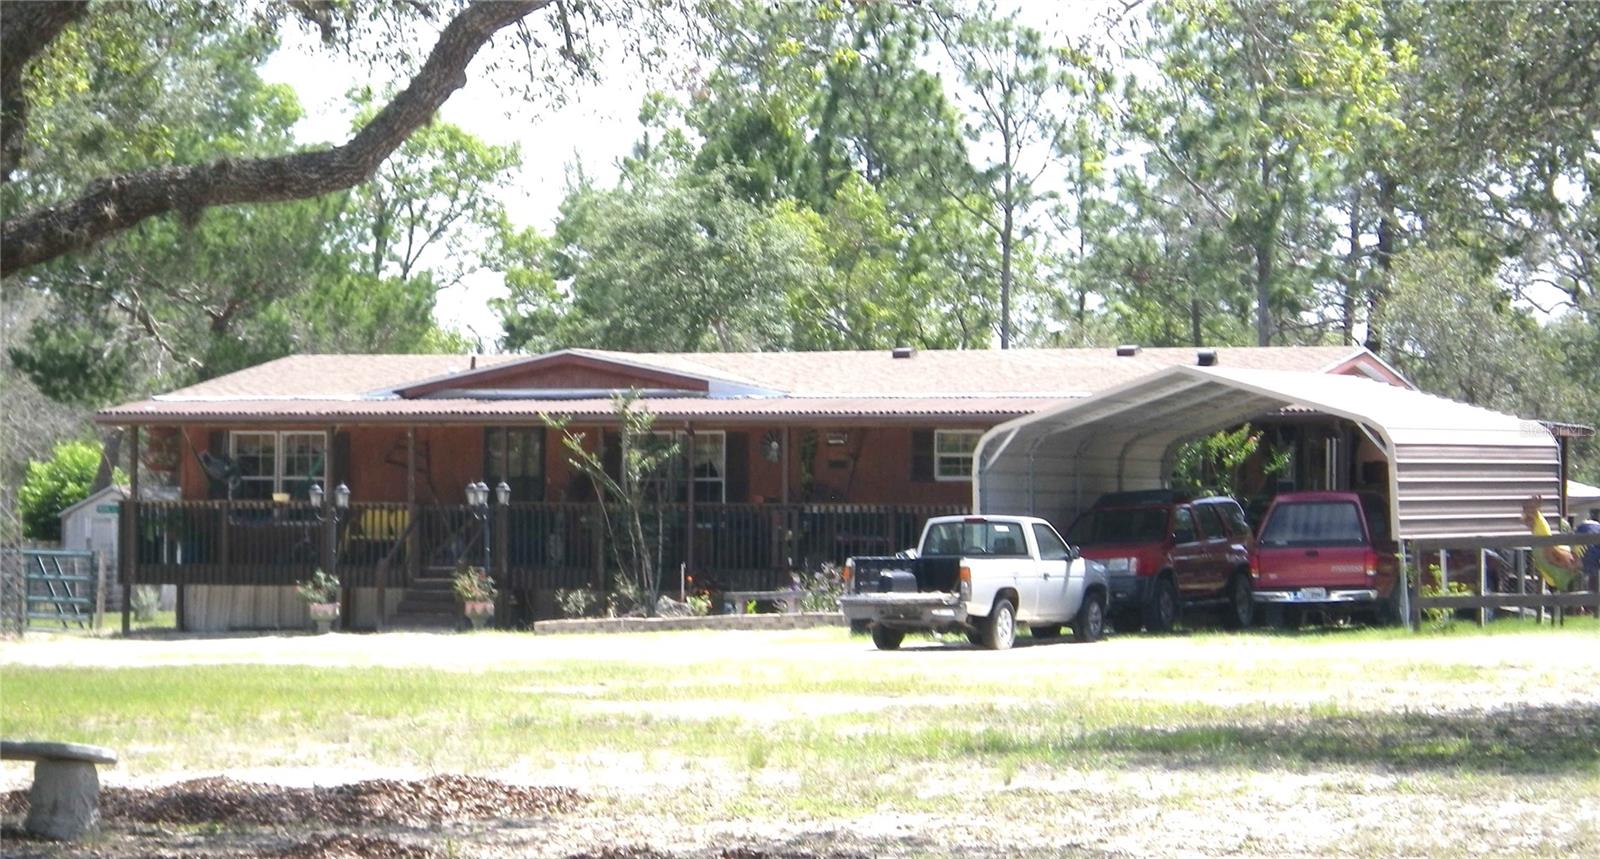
(1314, 523)
(1120, 525)
(1002, 539)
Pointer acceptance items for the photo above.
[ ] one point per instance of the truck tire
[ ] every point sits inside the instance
(1000, 629)
(1044, 632)
(1240, 609)
(1161, 612)
(975, 636)
(1090, 624)
(885, 638)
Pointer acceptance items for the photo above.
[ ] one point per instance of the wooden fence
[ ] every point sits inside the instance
(1505, 577)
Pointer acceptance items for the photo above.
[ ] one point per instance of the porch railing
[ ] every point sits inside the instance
(535, 545)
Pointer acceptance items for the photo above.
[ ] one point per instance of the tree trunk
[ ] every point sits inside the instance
(1388, 225)
(111, 448)
(1007, 238)
(1263, 253)
(1352, 283)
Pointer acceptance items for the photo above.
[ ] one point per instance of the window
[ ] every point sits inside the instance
(975, 538)
(952, 453)
(516, 456)
(1182, 526)
(1314, 523)
(701, 463)
(1127, 525)
(271, 462)
(1050, 546)
(1211, 521)
(1238, 525)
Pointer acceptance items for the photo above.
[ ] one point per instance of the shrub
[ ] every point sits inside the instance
(145, 603)
(822, 588)
(320, 588)
(577, 602)
(54, 485)
(473, 584)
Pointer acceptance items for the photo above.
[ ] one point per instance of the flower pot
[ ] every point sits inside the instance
(323, 614)
(478, 612)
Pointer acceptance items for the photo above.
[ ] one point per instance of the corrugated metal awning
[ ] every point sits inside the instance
(1454, 469)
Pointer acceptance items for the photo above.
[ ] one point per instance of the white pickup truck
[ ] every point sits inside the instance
(981, 575)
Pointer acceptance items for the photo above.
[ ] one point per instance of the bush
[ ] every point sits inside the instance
(577, 602)
(473, 584)
(320, 588)
(146, 603)
(56, 484)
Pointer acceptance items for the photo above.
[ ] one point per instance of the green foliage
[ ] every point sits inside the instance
(55, 484)
(320, 588)
(146, 603)
(577, 602)
(473, 584)
(1215, 464)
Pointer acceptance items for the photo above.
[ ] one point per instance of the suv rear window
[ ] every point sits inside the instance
(1314, 523)
(1002, 539)
(1126, 525)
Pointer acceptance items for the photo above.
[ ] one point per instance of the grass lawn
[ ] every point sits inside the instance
(1339, 741)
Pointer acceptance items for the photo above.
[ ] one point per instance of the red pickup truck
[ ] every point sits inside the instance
(1325, 551)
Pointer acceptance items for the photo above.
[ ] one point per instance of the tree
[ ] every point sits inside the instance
(55, 484)
(1023, 100)
(110, 204)
(630, 496)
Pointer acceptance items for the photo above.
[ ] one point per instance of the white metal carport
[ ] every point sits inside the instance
(1453, 470)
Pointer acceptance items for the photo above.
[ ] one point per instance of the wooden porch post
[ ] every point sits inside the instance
(688, 537)
(1563, 495)
(784, 492)
(130, 535)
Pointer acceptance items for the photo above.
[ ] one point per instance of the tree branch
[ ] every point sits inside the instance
(116, 203)
(26, 29)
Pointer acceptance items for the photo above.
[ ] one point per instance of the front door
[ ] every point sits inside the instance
(1190, 554)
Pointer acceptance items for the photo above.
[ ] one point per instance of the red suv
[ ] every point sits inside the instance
(1162, 551)
(1325, 550)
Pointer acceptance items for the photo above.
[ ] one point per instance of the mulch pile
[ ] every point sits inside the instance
(365, 803)
(355, 847)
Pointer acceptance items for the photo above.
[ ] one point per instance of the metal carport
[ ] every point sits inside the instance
(1454, 469)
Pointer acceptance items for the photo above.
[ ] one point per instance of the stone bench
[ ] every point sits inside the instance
(64, 802)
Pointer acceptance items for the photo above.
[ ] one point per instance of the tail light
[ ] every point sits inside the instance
(1371, 564)
(966, 583)
(849, 575)
(1255, 566)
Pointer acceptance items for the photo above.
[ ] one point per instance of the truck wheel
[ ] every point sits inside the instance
(975, 637)
(1161, 612)
(887, 639)
(1241, 608)
(1090, 624)
(1000, 631)
(1044, 633)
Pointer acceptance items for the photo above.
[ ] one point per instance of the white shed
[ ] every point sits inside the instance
(92, 524)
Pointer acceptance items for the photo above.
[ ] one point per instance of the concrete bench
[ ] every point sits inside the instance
(64, 802)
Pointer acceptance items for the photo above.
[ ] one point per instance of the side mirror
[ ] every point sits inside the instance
(1073, 554)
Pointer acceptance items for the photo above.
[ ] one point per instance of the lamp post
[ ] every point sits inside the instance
(331, 517)
(478, 505)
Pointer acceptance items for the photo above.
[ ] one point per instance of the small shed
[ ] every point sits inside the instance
(92, 523)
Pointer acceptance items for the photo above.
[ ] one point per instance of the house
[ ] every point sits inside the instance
(791, 459)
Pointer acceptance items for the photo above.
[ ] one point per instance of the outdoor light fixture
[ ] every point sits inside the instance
(502, 493)
(316, 495)
(477, 494)
(341, 501)
(341, 497)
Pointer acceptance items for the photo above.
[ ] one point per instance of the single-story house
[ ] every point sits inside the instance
(790, 460)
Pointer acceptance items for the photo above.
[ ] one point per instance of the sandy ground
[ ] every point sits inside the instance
(1176, 810)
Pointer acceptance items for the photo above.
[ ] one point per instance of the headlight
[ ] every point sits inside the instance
(1122, 565)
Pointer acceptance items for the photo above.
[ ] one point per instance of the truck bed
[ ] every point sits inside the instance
(932, 575)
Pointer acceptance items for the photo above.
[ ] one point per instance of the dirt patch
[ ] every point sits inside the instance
(377, 802)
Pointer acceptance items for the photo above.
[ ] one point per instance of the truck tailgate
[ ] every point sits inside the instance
(1312, 566)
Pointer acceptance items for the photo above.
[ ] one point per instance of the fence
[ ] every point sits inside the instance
(1504, 578)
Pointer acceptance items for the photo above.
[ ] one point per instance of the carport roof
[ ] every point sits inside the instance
(1455, 468)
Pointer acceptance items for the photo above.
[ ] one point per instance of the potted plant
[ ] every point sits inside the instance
(321, 593)
(476, 590)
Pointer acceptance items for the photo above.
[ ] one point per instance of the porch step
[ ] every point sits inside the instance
(429, 620)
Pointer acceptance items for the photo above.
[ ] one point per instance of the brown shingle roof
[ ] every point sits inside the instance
(976, 383)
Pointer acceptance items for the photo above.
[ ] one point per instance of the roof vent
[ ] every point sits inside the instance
(1206, 357)
(903, 351)
(1127, 350)
(474, 363)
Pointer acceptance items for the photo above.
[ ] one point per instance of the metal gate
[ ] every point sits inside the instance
(63, 587)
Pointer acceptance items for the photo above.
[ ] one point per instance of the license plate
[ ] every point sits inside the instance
(1310, 594)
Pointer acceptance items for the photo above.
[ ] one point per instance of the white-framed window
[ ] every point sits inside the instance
(952, 453)
(701, 464)
(271, 462)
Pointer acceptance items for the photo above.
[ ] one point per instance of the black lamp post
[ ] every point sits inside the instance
(478, 505)
(335, 514)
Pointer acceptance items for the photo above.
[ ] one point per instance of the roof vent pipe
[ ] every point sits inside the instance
(903, 351)
(1206, 357)
(1127, 350)
(474, 364)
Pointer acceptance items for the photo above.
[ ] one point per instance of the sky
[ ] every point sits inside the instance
(598, 125)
